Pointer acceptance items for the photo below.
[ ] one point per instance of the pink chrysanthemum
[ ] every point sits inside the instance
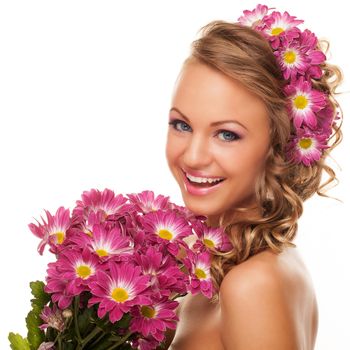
(154, 319)
(146, 202)
(254, 18)
(168, 227)
(308, 41)
(147, 343)
(185, 212)
(57, 286)
(211, 237)
(278, 25)
(304, 102)
(52, 232)
(326, 118)
(119, 290)
(78, 268)
(292, 61)
(165, 275)
(106, 202)
(306, 147)
(53, 318)
(105, 242)
(199, 269)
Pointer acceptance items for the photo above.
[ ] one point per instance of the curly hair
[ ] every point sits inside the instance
(245, 55)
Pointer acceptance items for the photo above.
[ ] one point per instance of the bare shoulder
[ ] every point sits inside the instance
(262, 300)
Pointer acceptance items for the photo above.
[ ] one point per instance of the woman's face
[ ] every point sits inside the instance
(218, 129)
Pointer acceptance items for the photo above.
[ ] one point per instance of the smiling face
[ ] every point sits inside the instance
(235, 150)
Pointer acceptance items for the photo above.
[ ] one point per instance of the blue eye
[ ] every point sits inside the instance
(229, 136)
(175, 122)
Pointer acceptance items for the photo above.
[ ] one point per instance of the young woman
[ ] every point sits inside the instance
(253, 118)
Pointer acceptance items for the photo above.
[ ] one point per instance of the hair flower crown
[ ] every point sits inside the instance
(300, 61)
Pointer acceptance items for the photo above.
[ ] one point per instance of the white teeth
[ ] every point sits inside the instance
(202, 179)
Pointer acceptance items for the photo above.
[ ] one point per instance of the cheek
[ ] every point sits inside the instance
(172, 149)
(243, 165)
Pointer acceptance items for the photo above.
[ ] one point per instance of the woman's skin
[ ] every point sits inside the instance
(268, 301)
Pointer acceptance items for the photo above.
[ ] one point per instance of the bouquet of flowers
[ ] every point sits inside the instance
(121, 263)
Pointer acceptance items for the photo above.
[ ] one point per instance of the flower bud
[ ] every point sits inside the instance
(67, 313)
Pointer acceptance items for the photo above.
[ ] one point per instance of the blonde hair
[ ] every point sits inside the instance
(245, 55)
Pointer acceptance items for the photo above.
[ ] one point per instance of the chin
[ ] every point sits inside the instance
(201, 207)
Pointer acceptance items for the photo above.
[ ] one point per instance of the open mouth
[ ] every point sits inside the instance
(203, 184)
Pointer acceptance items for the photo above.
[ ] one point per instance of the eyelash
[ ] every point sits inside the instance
(174, 122)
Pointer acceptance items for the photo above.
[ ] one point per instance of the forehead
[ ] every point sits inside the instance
(205, 91)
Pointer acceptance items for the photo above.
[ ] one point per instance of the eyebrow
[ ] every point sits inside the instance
(212, 124)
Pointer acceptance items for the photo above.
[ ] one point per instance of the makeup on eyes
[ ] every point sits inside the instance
(174, 121)
(212, 124)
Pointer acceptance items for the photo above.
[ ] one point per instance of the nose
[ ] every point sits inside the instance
(197, 154)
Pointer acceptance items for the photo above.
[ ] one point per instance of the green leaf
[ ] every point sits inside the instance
(35, 335)
(41, 298)
(124, 321)
(17, 342)
(84, 321)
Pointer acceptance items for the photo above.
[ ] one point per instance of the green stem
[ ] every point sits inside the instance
(121, 341)
(59, 343)
(76, 324)
(97, 340)
(90, 336)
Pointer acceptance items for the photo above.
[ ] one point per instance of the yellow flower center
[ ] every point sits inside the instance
(290, 57)
(277, 31)
(300, 102)
(60, 237)
(305, 143)
(209, 243)
(119, 295)
(83, 271)
(101, 252)
(165, 234)
(148, 311)
(200, 273)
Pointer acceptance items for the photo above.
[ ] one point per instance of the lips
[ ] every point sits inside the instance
(200, 174)
(197, 190)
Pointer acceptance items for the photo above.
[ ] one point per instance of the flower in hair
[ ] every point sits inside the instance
(304, 102)
(254, 18)
(300, 60)
(306, 147)
(281, 26)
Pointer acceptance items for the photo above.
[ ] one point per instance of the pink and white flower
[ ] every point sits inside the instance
(304, 103)
(306, 147)
(53, 318)
(78, 268)
(105, 242)
(165, 275)
(105, 202)
(292, 61)
(210, 238)
(57, 286)
(146, 201)
(52, 232)
(168, 228)
(199, 269)
(118, 290)
(154, 319)
(254, 18)
(281, 26)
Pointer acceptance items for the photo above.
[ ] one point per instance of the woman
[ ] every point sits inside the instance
(253, 118)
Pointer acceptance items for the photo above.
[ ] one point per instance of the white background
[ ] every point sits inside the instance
(84, 100)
